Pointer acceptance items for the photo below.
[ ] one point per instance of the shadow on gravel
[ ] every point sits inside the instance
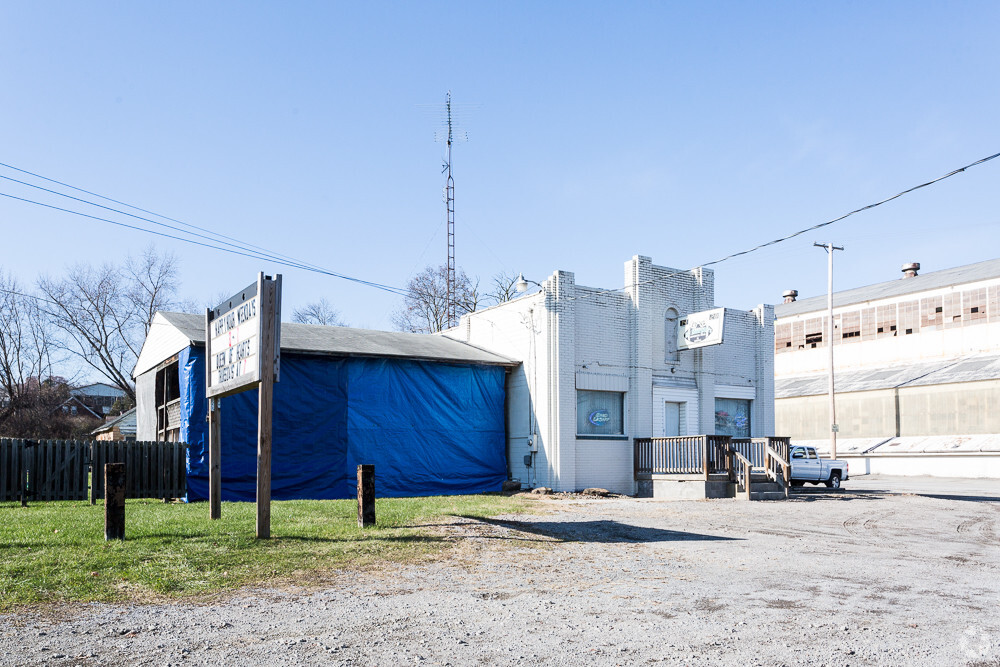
(599, 531)
(403, 539)
(973, 499)
(810, 495)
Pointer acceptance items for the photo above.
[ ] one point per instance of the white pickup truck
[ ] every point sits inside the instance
(807, 466)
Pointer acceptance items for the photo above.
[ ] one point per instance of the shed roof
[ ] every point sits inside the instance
(126, 423)
(958, 275)
(172, 332)
(946, 371)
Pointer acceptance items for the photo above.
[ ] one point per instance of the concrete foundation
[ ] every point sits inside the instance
(683, 487)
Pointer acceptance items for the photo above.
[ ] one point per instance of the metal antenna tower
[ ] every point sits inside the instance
(449, 199)
(450, 133)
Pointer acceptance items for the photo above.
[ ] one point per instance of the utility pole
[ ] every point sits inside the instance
(829, 247)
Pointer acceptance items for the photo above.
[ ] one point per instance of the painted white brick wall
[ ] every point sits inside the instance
(567, 329)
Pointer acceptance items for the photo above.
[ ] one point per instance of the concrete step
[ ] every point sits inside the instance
(766, 486)
(765, 490)
(767, 495)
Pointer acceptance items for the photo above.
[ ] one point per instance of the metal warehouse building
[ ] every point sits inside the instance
(917, 370)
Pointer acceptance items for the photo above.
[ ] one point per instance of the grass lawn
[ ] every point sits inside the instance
(55, 551)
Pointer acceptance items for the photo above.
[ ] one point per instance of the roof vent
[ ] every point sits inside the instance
(910, 270)
(790, 295)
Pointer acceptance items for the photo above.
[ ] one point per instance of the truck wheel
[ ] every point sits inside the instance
(834, 481)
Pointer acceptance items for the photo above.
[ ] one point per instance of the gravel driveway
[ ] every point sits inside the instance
(862, 577)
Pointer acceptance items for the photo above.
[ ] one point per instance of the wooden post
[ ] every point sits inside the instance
(28, 463)
(704, 454)
(366, 496)
(214, 434)
(215, 458)
(265, 393)
(114, 501)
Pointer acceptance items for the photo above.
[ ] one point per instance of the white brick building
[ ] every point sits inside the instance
(917, 368)
(601, 367)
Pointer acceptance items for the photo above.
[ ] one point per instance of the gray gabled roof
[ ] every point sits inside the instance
(341, 342)
(126, 423)
(959, 275)
(968, 369)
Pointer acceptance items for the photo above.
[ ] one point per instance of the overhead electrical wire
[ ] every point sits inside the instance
(256, 252)
(141, 210)
(240, 246)
(792, 235)
(386, 288)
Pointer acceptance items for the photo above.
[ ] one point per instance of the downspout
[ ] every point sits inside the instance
(506, 421)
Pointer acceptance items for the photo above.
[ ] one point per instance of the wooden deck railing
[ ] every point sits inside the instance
(740, 471)
(707, 454)
(686, 454)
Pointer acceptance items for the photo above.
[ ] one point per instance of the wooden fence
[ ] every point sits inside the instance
(12, 475)
(152, 469)
(59, 469)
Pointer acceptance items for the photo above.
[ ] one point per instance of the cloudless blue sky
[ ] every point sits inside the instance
(682, 131)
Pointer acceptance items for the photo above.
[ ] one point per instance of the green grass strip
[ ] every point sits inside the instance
(56, 552)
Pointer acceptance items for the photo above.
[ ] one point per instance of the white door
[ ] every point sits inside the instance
(671, 419)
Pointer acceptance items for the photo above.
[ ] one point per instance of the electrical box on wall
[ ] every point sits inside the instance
(532, 443)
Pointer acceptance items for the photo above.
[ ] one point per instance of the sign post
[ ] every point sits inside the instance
(243, 347)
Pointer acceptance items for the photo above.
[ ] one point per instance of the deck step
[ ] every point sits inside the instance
(767, 495)
(763, 490)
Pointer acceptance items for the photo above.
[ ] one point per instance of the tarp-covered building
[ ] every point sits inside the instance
(427, 411)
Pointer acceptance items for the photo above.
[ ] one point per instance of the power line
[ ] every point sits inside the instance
(387, 288)
(241, 246)
(132, 206)
(792, 235)
(28, 296)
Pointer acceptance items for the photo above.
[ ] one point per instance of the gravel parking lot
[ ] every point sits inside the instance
(889, 571)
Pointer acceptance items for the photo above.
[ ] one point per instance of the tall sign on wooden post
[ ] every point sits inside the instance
(243, 344)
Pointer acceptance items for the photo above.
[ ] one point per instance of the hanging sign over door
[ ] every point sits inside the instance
(701, 329)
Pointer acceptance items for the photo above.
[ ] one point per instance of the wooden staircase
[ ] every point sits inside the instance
(761, 488)
(770, 481)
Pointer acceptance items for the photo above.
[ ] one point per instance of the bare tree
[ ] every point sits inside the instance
(26, 342)
(152, 284)
(504, 287)
(425, 307)
(104, 313)
(318, 312)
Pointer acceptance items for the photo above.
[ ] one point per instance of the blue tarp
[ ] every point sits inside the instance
(429, 428)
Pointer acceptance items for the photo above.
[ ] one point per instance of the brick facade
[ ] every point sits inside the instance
(571, 338)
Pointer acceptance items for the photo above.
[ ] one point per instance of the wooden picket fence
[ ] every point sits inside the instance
(12, 480)
(152, 469)
(60, 469)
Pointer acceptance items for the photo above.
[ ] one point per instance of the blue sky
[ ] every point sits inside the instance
(597, 131)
